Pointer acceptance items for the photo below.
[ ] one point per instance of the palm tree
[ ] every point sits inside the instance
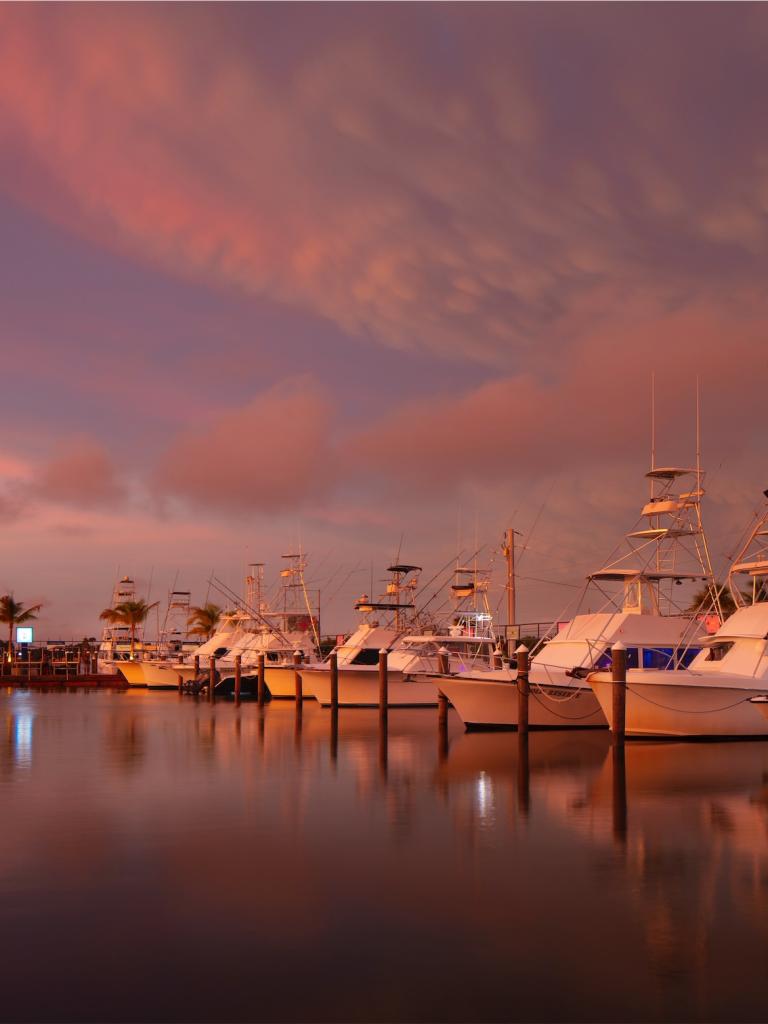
(204, 620)
(14, 613)
(702, 600)
(128, 613)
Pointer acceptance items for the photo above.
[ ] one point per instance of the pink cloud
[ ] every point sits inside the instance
(80, 473)
(447, 213)
(267, 455)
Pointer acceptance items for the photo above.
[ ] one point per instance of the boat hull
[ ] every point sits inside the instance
(359, 688)
(281, 682)
(131, 671)
(492, 704)
(692, 708)
(166, 676)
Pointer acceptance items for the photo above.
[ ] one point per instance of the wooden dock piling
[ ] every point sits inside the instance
(383, 686)
(334, 671)
(196, 663)
(442, 661)
(212, 678)
(619, 674)
(298, 681)
(261, 690)
(523, 689)
(497, 658)
(442, 726)
(238, 676)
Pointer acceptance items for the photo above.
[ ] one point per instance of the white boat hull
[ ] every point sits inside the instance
(131, 671)
(166, 676)
(281, 682)
(695, 706)
(492, 704)
(359, 688)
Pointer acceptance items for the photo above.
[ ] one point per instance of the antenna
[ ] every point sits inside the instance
(698, 433)
(653, 419)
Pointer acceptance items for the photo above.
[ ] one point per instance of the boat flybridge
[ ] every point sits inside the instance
(416, 651)
(644, 591)
(384, 620)
(723, 690)
(174, 643)
(276, 630)
(115, 646)
(165, 674)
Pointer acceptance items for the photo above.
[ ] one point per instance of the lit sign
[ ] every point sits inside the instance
(24, 634)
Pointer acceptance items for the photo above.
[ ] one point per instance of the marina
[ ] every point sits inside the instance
(383, 513)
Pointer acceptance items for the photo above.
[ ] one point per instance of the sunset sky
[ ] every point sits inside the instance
(346, 273)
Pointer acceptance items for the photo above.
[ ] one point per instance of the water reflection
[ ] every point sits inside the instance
(462, 865)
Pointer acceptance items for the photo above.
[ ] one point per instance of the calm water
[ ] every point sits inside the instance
(163, 860)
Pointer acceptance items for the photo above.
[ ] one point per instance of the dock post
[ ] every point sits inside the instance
(180, 678)
(442, 661)
(212, 678)
(619, 674)
(497, 662)
(238, 677)
(196, 663)
(442, 725)
(334, 671)
(297, 680)
(262, 686)
(383, 685)
(523, 690)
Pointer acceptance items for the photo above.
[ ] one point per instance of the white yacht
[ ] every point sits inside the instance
(277, 630)
(174, 644)
(722, 691)
(360, 652)
(165, 674)
(414, 658)
(664, 552)
(114, 653)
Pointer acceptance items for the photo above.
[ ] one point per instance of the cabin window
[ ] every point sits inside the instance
(657, 657)
(718, 651)
(368, 656)
(273, 656)
(687, 657)
(604, 662)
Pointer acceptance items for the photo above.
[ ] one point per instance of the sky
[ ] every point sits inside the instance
(371, 278)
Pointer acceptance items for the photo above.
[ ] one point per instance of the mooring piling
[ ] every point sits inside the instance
(261, 685)
(619, 675)
(297, 680)
(212, 678)
(383, 686)
(238, 676)
(442, 726)
(333, 663)
(523, 689)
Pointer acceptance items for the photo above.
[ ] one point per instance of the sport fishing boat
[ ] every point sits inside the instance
(724, 689)
(415, 657)
(165, 674)
(114, 653)
(360, 651)
(277, 630)
(174, 643)
(665, 550)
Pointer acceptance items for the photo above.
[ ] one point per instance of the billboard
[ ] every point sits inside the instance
(25, 634)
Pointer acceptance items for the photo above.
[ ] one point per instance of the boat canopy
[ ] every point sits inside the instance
(654, 575)
(668, 473)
